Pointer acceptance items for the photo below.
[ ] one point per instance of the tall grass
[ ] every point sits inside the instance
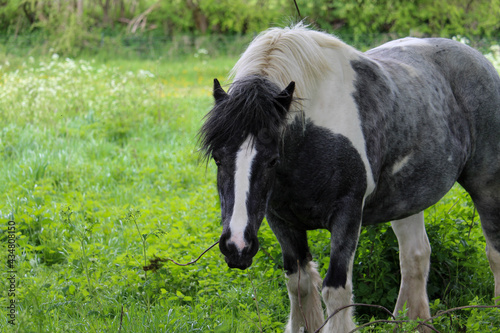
(99, 169)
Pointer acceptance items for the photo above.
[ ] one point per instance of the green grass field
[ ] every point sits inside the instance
(100, 172)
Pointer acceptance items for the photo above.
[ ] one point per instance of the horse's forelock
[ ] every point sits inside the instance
(250, 109)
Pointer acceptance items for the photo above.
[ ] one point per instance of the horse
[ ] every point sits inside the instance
(314, 134)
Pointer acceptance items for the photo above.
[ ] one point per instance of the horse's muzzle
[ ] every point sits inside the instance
(238, 258)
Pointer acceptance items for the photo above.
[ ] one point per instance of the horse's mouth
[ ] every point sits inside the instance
(236, 257)
(238, 262)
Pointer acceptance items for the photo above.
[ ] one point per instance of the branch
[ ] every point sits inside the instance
(135, 22)
(256, 303)
(394, 321)
(121, 321)
(460, 308)
(351, 305)
(391, 322)
(155, 263)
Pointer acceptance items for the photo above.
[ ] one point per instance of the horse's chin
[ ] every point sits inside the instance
(240, 263)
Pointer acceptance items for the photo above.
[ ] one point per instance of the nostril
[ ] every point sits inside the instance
(252, 247)
(223, 243)
(227, 245)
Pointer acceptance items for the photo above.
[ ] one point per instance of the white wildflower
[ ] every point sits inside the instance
(461, 39)
(143, 73)
(201, 52)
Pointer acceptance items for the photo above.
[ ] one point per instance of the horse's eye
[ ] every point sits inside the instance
(273, 162)
(217, 158)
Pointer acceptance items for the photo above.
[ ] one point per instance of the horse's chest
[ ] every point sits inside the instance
(298, 203)
(318, 170)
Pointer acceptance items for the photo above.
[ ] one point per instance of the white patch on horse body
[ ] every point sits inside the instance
(333, 107)
(239, 219)
(401, 163)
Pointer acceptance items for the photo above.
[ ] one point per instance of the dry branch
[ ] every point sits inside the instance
(155, 264)
(141, 19)
(394, 321)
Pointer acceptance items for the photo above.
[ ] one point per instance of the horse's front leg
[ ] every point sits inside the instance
(304, 281)
(337, 286)
(306, 312)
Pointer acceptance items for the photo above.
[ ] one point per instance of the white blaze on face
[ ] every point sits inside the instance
(239, 219)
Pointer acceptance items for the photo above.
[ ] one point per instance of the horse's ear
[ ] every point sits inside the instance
(285, 97)
(219, 93)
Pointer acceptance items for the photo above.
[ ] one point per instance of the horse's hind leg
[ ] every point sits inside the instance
(414, 259)
(494, 259)
(490, 223)
(484, 190)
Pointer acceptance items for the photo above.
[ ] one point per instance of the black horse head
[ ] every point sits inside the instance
(242, 133)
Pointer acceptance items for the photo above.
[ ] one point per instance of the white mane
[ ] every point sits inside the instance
(294, 54)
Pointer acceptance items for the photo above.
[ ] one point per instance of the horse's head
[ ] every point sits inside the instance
(242, 133)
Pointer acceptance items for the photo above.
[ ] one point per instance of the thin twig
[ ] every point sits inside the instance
(155, 263)
(391, 322)
(460, 308)
(121, 321)
(472, 222)
(300, 302)
(280, 266)
(351, 305)
(394, 321)
(452, 206)
(298, 10)
(256, 302)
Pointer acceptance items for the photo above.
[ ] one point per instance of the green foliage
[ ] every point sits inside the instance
(420, 17)
(76, 27)
(100, 172)
(218, 16)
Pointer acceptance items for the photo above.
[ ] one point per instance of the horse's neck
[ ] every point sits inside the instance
(327, 98)
(331, 105)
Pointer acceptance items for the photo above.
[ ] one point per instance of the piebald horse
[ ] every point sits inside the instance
(315, 134)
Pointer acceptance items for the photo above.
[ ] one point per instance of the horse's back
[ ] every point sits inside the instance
(442, 125)
(476, 87)
(473, 79)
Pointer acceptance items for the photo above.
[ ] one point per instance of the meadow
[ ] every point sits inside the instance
(100, 173)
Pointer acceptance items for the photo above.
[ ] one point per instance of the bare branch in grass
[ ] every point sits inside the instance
(394, 321)
(155, 263)
(256, 302)
(440, 313)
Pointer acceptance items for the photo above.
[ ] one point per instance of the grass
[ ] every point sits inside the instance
(100, 173)
(99, 170)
